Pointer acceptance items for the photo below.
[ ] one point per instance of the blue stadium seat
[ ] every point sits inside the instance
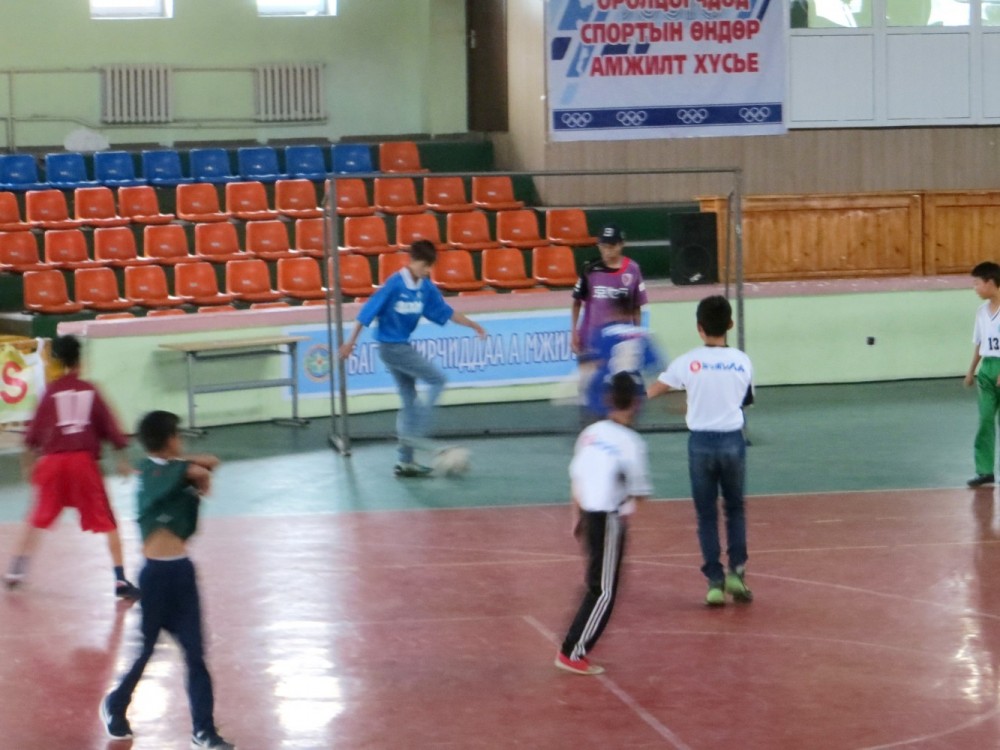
(67, 171)
(163, 168)
(259, 163)
(305, 162)
(115, 169)
(211, 165)
(19, 172)
(352, 157)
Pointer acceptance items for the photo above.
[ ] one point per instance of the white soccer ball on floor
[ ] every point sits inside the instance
(452, 461)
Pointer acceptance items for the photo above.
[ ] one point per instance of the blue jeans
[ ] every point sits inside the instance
(407, 366)
(717, 460)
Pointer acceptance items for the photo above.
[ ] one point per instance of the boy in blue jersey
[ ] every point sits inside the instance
(398, 305)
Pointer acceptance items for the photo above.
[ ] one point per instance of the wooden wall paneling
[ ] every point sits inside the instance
(961, 229)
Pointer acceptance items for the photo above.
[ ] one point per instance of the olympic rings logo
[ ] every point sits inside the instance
(576, 119)
(692, 116)
(631, 118)
(755, 114)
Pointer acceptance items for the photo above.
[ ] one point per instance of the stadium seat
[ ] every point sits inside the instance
(495, 193)
(519, 229)
(366, 235)
(399, 156)
(309, 237)
(199, 202)
(211, 165)
(95, 207)
(97, 289)
(413, 227)
(248, 201)
(389, 263)
(115, 247)
(67, 248)
(351, 158)
(197, 282)
(355, 276)
(568, 226)
(217, 309)
(296, 199)
(250, 281)
(165, 312)
(554, 265)
(397, 195)
(10, 214)
(115, 169)
(163, 168)
(306, 162)
(67, 171)
(19, 253)
(268, 240)
(352, 198)
(259, 163)
(269, 305)
(469, 231)
(146, 286)
(45, 292)
(19, 172)
(140, 205)
(217, 242)
(114, 316)
(503, 268)
(300, 278)
(453, 272)
(47, 209)
(446, 194)
(167, 244)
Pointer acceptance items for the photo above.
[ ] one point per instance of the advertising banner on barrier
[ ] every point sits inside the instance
(625, 69)
(22, 381)
(529, 347)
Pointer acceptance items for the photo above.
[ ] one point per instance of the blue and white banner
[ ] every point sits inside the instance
(529, 347)
(625, 69)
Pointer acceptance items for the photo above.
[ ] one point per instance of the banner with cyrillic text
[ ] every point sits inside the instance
(627, 69)
(529, 347)
(22, 382)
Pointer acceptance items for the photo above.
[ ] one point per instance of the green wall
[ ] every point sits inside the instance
(392, 67)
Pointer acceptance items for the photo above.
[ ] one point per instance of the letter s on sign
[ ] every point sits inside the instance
(10, 372)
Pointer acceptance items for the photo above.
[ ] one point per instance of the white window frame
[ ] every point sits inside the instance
(117, 10)
(296, 8)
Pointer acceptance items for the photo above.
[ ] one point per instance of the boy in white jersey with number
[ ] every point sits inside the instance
(719, 383)
(609, 473)
(986, 356)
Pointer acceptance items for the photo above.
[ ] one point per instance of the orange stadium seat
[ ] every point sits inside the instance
(199, 202)
(296, 199)
(164, 312)
(568, 226)
(95, 207)
(469, 231)
(399, 156)
(10, 215)
(309, 234)
(114, 316)
(268, 240)
(355, 276)
(269, 305)
(454, 272)
(446, 194)
(299, 278)
(519, 229)
(248, 201)
(366, 235)
(554, 265)
(504, 268)
(495, 194)
(397, 195)
(389, 263)
(19, 253)
(250, 281)
(352, 198)
(197, 282)
(217, 242)
(97, 289)
(45, 292)
(115, 246)
(67, 248)
(217, 309)
(413, 227)
(47, 209)
(146, 286)
(140, 205)
(167, 244)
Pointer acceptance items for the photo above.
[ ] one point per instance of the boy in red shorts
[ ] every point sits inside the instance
(61, 450)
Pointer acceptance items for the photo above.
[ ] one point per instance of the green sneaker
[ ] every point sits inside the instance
(737, 588)
(411, 470)
(715, 597)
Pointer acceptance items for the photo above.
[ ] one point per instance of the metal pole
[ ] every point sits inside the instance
(737, 218)
(339, 436)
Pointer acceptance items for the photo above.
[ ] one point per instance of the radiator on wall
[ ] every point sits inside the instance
(289, 92)
(137, 94)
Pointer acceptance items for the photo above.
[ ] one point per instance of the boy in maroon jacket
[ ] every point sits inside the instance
(62, 447)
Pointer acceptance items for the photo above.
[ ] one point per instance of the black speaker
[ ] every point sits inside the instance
(693, 243)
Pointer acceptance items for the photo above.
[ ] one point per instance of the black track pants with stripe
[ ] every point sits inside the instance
(604, 536)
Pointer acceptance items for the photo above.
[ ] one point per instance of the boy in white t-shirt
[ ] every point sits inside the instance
(609, 473)
(986, 357)
(719, 383)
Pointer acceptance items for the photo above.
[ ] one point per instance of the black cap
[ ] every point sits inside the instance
(611, 235)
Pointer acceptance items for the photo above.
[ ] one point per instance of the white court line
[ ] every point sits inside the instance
(936, 735)
(612, 687)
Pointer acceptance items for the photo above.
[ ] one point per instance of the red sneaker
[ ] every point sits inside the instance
(577, 666)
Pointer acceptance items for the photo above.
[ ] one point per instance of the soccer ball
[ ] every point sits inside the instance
(452, 461)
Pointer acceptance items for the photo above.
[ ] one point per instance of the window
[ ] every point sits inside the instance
(820, 14)
(297, 7)
(131, 8)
